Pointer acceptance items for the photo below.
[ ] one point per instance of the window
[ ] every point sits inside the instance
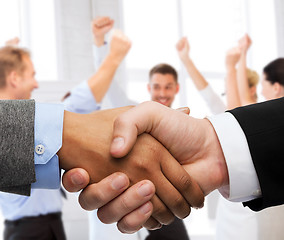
(152, 27)
(33, 22)
(212, 27)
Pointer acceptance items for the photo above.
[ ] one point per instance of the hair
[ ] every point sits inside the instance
(164, 68)
(11, 59)
(274, 71)
(253, 77)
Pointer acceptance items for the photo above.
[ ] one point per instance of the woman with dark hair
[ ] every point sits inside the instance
(273, 79)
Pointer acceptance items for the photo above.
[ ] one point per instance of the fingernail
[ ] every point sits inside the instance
(145, 208)
(77, 179)
(119, 182)
(117, 143)
(182, 109)
(201, 206)
(144, 190)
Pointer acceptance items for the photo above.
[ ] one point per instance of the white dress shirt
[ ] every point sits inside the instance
(233, 220)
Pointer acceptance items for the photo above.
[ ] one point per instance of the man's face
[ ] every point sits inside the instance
(163, 88)
(27, 82)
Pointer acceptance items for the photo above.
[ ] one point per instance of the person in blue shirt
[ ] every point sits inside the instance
(44, 206)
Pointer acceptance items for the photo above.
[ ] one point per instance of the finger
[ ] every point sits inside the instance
(103, 21)
(171, 197)
(152, 224)
(161, 213)
(185, 110)
(133, 222)
(131, 199)
(189, 189)
(99, 194)
(130, 124)
(75, 179)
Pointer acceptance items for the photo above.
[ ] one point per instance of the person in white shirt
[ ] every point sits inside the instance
(233, 221)
(208, 151)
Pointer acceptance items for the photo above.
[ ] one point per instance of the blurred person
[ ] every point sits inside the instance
(41, 211)
(213, 101)
(233, 220)
(241, 82)
(247, 79)
(17, 82)
(116, 95)
(163, 86)
(13, 42)
(273, 79)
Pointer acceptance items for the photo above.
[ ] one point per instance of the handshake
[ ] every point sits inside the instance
(141, 166)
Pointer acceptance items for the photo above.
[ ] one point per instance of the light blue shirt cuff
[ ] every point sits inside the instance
(48, 141)
(99, 54)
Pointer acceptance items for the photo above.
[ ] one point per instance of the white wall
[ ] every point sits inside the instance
(279, 8)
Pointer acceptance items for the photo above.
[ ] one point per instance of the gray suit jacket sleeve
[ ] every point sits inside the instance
(17, 169)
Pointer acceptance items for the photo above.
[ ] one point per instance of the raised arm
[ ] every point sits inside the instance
(100, 27)
(232, 93)
(183, 50)
(100, 82)
(243, 84)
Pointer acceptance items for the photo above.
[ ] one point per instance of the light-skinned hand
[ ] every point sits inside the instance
(100, 27)
(183, 49)
(193, 142)
(232, 57)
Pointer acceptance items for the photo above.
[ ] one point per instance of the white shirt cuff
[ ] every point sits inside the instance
(243, 181)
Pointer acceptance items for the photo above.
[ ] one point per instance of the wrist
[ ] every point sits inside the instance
(185, 59)
(99, 41)
(217, 168)
(114, 58)
(230, 67)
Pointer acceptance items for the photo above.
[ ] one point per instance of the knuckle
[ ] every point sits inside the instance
(179, 203)
(126, 204)
(103, 216)
(169, 220)
(164, 216)
(185, 181)
(92, 199)
(184, 211)
(126, 226)
(200, 201)
(97, 195)
(152, 224)
(159, 210)
(119, 122)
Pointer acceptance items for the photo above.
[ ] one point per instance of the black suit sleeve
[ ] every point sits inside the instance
(263, 125)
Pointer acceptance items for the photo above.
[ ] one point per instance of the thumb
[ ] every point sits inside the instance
(75, 179)
(129, 125)
(185, 110)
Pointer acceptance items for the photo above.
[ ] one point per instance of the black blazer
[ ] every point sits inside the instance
(263, 125)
